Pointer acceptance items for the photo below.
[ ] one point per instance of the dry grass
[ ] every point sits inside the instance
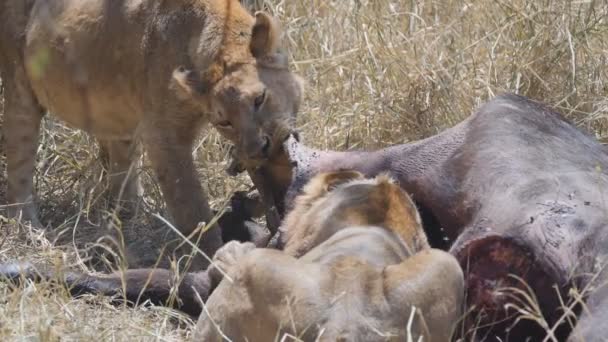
(379, 72)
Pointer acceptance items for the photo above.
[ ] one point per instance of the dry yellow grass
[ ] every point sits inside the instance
(379, 72)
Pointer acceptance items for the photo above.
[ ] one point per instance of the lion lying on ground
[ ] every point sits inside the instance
(356, 266)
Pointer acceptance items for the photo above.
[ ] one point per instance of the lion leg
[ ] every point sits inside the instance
(22, 117)
(226, 258)
(225, 262)
(264, 298)
(170, 154)
(432, 282)
(124, 186)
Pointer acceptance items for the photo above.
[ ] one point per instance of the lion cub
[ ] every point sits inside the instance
(356, 266)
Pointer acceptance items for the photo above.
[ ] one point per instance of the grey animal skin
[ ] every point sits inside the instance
(515, 189)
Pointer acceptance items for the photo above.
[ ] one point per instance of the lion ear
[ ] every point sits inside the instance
(189, 80)
(333, 179)
(265, 35)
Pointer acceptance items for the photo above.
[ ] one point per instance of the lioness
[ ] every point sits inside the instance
(356, 267)
(143, 69)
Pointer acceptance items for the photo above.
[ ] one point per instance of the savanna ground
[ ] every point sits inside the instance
(378, 72)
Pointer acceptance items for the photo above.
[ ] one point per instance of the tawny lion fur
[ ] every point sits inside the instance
(356, 266)
(154, 71)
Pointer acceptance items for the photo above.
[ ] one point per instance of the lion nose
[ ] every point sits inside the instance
(259, 150)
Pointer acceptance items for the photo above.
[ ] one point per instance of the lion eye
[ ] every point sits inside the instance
(224, 124)
(259, 101)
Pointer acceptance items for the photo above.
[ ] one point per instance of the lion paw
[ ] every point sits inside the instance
(227, 257)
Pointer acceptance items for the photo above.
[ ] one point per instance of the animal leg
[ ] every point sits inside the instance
(260, 236)
(121, 167)
(432, 282)
(250, 203)
(256, 303)
(170, 154)
(22, 116)
(235, 220)
(226, 258)
(136, 285)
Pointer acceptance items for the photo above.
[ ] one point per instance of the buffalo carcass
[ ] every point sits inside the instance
(516, 193)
